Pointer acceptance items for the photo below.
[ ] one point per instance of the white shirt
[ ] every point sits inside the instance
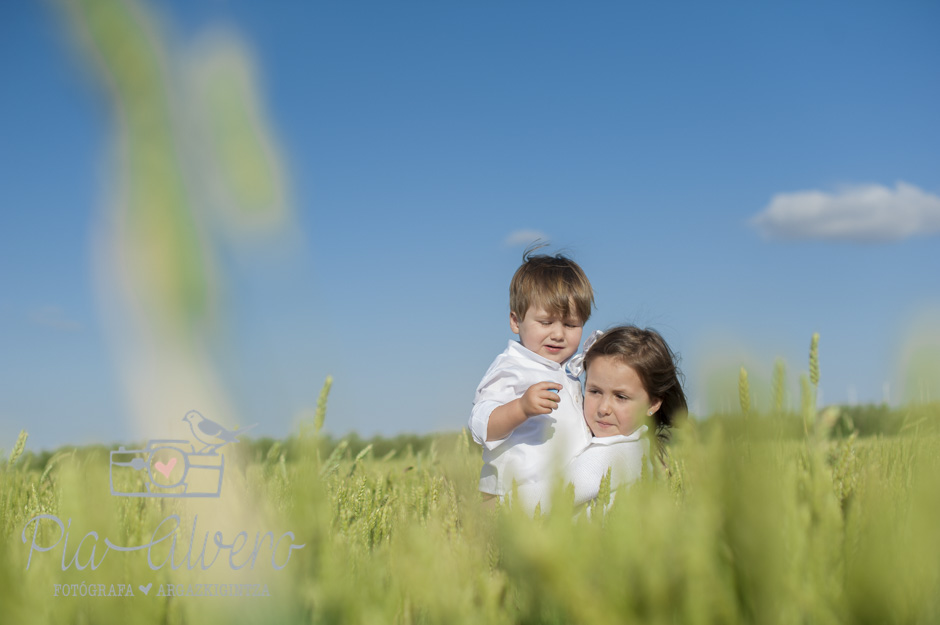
(623, 455)
(542, 444)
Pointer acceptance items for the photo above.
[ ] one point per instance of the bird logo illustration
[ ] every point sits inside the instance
(210, 433)
(174, 467)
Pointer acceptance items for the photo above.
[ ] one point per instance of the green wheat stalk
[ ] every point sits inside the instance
(744, 393)
(603, 494)
(332, 462)
(320, 415)
(814, 360)
(779, 384)
(808, 395)
(18, 449)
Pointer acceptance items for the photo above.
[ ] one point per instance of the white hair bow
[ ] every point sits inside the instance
(576, 364)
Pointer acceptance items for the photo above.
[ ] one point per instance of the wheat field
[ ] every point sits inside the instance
(756, 519)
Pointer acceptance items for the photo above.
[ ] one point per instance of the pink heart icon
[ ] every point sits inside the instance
(165, 468)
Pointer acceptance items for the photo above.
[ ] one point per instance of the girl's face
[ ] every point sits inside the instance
(615, 401)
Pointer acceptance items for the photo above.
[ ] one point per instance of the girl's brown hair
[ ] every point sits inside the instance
(647, 353)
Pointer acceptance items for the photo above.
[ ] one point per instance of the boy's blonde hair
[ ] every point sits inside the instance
(556, 283)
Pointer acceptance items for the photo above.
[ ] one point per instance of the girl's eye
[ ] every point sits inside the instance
(623, 397)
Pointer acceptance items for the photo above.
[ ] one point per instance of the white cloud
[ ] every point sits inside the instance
(55, 318)
(865, 213)
(524, 237)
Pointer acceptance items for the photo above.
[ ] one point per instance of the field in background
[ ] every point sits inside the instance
(757, 520)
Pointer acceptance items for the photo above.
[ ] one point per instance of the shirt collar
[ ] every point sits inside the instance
(619, 438)
(524, 352)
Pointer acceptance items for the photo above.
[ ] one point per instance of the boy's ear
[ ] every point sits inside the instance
(514, 323)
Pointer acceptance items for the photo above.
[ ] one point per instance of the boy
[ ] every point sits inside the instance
(527, 410)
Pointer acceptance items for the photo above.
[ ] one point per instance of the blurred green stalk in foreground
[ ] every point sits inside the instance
(195, 175)
(192, 137)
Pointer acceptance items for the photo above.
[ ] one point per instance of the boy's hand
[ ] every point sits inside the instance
(538, 399)
(541, 398)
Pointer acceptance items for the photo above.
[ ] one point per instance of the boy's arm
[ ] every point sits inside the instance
(538, 399)
(504, 419)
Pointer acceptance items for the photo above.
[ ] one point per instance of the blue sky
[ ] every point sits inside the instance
(422, 142)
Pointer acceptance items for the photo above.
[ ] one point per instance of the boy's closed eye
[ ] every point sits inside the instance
(569, 323)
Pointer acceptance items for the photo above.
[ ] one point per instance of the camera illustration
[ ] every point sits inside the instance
(166, 468)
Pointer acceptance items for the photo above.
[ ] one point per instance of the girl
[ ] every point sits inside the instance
(632, 379)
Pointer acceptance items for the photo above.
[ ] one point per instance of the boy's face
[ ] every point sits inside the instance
(547, 334)
(615, 401)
